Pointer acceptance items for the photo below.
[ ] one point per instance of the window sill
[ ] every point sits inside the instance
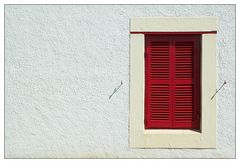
(167, 138)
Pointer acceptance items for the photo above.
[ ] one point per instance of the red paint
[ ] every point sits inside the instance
(175, 33)
(172, 85)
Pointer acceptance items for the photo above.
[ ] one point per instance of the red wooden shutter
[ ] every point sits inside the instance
(158, 112)
(172, 89)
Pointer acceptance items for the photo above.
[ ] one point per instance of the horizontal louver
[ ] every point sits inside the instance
(183, 103)
(183, 60)
(159, 102)
(159, 53)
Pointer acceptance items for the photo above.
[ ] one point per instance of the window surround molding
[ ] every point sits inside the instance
(167, 138)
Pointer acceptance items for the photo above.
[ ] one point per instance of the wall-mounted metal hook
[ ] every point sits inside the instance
(115, 90)
(218, 90)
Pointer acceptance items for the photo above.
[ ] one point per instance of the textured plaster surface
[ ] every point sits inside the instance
(63, 61)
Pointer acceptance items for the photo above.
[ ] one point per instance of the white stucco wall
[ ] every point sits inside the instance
(63, 61)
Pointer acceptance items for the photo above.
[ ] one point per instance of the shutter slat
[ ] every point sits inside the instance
(159, 104)
(159, 57)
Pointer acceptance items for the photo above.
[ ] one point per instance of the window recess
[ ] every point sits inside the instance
(172, 82)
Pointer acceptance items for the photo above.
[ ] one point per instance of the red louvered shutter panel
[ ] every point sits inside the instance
(158, 85)
(172, 85)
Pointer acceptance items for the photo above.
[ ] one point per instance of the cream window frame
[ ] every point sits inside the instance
(166, 138)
